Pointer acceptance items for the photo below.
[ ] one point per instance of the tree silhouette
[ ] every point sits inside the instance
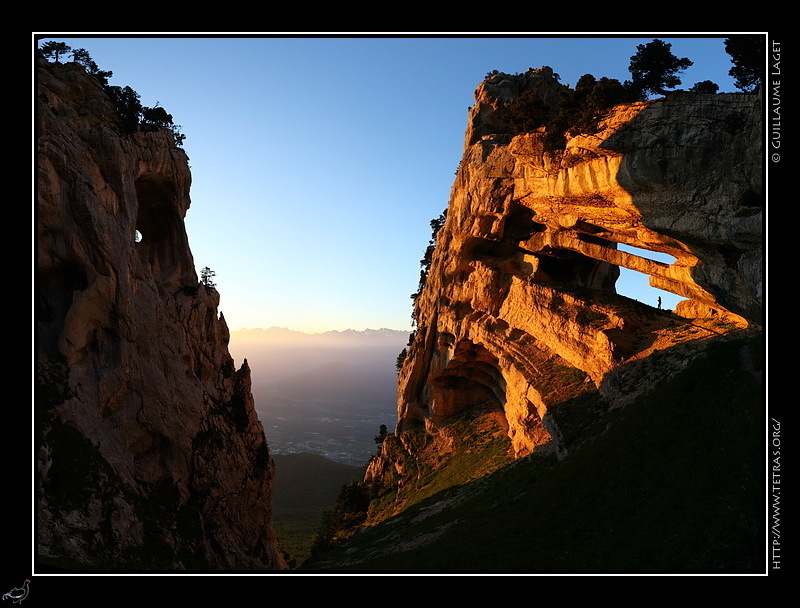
(591, 98)
(425, 262)
(127, 105)
(132, 115)
(207, 278)
(55, 49)
(705, 86)
(382, 434)
(343, 519)
(82, 56)
(400, 360)
(654, 68)
(747, 55)
(156, 117)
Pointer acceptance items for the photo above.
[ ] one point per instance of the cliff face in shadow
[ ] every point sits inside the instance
(150, 455)
(519, 319)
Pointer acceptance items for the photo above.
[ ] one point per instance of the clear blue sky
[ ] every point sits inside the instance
(318, 162)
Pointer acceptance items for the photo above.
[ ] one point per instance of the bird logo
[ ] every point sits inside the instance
(17, 594)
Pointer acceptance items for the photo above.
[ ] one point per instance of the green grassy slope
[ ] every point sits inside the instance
(305, 486)
(674, 484)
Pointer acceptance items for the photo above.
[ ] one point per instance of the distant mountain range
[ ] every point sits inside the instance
(284, 331)
(347, 336)
(276, 353)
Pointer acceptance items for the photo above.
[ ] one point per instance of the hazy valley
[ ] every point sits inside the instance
(326, 393)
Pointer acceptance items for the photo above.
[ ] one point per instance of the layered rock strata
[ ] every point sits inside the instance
(149, 451)
(519, 307)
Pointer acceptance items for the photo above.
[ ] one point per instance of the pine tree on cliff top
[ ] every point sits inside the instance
(655, 69)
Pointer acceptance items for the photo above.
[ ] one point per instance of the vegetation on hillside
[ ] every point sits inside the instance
(305, 487)
(654, 70)
(132, 115)
(425, 263)
(401, 359)
(478, 447)
(747, 54)
(344, 518)
(672, 485)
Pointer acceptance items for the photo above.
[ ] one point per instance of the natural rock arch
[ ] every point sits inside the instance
(164, 243)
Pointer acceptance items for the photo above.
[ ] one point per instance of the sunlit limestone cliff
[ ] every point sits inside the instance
(149, 453)
(523, 347)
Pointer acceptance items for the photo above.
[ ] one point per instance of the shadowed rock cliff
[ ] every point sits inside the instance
(519, 314)
(149, 453)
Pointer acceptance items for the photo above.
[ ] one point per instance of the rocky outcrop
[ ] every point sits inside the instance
(149, 451)
(519, 310)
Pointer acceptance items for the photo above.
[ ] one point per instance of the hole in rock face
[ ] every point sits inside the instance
(157, 213)
(518, 226)
(636, 285)
(569, 268)
(587, 228)
(471, 378)
(479, 248)
(596, 240)
(655, 256)
(163, 243)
